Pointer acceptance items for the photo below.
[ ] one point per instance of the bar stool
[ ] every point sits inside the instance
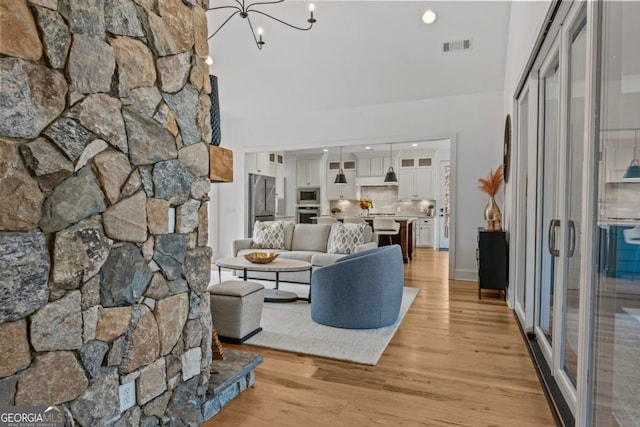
(386, 227)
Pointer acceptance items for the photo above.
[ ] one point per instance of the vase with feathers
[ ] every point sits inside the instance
(490, 185)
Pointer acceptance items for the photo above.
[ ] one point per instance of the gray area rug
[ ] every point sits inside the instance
(288, 326)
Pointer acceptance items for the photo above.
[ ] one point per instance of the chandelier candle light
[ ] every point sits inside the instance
(244, 10)
(491, 185)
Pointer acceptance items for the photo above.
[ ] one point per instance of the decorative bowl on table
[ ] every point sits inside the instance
(261, 257)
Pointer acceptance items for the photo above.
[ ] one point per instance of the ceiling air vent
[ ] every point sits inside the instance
(456, 45)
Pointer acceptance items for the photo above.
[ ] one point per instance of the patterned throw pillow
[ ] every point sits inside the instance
(345, 237)
(268, 236)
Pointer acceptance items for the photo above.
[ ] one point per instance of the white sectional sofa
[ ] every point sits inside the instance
(306, 242)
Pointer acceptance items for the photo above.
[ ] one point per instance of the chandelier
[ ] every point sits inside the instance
(245, 10)
(340, 178)
(391, 174)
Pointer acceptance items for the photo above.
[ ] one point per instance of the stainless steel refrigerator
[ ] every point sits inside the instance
(262, 200)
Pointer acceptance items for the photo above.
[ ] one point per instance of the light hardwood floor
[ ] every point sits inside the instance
(455, 361)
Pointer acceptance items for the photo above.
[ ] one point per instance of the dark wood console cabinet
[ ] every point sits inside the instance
(493, 260)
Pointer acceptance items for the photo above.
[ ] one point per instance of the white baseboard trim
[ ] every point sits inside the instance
(470, 275)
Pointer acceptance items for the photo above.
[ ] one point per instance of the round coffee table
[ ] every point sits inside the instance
(277, 266)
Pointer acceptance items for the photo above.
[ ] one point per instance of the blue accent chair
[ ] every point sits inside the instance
(360, 291)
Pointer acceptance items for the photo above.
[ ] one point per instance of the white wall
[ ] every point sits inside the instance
(229, 199)
(474, 121)
(526, 20)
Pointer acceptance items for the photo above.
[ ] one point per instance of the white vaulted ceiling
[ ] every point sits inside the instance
(359, 53)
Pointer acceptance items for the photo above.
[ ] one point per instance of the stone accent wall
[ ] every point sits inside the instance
(104, 125)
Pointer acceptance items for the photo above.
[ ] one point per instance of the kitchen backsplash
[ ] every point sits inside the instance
(385, 200)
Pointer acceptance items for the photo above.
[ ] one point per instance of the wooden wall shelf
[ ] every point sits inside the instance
(220, 164)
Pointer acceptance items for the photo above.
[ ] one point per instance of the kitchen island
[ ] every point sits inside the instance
(406, 238)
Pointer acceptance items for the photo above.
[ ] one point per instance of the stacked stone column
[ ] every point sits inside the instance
(104, 126)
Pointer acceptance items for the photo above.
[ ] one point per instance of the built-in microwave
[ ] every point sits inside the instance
(308, 196)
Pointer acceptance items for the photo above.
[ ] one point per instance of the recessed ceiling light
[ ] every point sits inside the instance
(325, 149)
(367, 148)
(429, 17)
(414, 145)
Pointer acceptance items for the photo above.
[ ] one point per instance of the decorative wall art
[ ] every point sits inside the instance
(506, 165)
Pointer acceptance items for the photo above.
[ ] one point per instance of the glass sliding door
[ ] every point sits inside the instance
(583, 255)
(560, 201)
(573, 231)
(615, 342)
(524, 234)
(548, 197)
(521, 202)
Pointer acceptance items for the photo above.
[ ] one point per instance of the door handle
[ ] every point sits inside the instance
(572, 238)
(551, 238)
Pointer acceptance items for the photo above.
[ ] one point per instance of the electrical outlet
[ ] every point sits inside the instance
(127, 393)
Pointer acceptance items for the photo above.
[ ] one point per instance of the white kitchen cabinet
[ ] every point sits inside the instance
(308, 173)
(416, 162)
(347, 165)
(347, 191)
(276, 158)
(425, 237)
(280, 181)
(258, 163)
(406, 183)
(364, 167)
(262, 163)
(277, 170)
(424, 162)
(407, 163)
(424, 184)
(371, 166)
(415, 179)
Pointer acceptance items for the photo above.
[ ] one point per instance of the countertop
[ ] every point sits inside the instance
(370, 218)
(622, 222)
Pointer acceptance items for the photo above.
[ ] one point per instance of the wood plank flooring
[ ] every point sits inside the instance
(455, 361)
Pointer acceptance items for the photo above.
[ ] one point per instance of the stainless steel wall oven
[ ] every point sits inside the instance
(305, 213)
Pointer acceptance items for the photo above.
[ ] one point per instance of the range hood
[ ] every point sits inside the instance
(374, 181)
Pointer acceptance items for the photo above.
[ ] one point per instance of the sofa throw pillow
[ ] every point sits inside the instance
(268, 236)
(344, 238)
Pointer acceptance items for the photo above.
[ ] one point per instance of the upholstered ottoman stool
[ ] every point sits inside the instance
(236, 309)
